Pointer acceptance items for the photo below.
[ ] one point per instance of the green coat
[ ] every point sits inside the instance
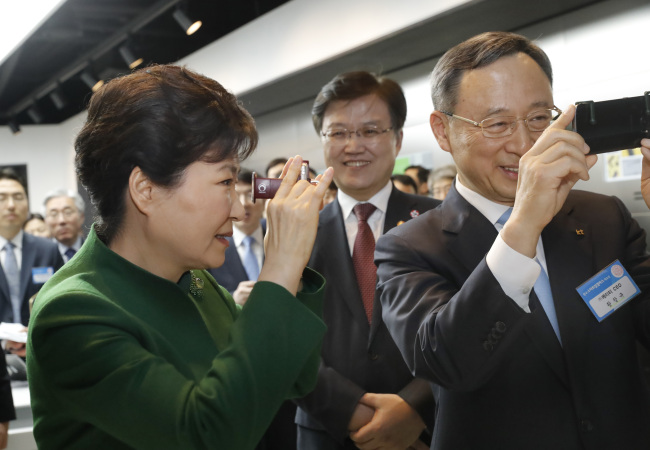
(120, 358)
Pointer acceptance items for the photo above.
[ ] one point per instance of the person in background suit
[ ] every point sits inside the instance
(486, 306)
(420, 175)
(64, 215)
(33, 259)
(27, 262)
(35, 225)
(404, 183)
(244, 259)
(365, 396)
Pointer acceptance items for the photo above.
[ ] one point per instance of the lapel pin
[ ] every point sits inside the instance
(400, 222)
(415, 213)
(580, 232)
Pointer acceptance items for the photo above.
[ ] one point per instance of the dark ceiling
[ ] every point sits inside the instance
(85, 35)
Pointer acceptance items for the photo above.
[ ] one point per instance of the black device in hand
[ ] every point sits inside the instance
(613, 124)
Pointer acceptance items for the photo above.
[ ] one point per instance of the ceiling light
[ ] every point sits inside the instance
(35, 114)
(186, 23)
(91, 81)
(58, 98)
(14, 127)
(128, 57)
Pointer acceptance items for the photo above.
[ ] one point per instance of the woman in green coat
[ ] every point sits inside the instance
(132, 344)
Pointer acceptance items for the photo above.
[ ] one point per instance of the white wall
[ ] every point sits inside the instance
(48, 152)
(597, 53)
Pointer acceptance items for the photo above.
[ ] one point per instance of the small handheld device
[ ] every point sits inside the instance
(267, 187)
(613, 124)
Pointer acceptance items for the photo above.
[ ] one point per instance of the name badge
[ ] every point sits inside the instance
(608, 290)
(41, 274)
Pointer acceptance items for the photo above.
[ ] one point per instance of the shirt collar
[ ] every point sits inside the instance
(380, 200)
(238, 235)
(64, 248)
(17, 241)
(491, 210)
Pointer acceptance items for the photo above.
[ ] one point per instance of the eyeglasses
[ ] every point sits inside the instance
(500, 126)
(66, 212)
(341, 135)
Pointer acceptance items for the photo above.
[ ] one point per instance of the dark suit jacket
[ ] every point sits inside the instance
(356, 357)
(232, 271)
(504, 381)
(37, 252)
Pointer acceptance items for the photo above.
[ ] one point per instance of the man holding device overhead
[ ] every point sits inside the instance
(503, 297)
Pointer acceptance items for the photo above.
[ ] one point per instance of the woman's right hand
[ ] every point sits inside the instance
(292, 223)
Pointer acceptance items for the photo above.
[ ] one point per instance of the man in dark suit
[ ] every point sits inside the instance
(245, 255)
(490, 312)
(35, 259)
(64, 215)
(27, 262)
(365, 394)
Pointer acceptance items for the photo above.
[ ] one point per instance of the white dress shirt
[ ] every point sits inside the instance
(257, 246)
(18, 249)
(376, 219)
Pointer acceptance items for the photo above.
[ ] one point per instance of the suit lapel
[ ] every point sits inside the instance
(238, 271)
(400, 208)
(28, 261)
(568, 243)
(336, 250)
(471, 237)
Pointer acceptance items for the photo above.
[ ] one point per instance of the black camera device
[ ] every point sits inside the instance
(613, 124)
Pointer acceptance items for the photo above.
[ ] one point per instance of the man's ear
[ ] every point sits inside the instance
(399, 136)
(440, 126)
(141, 190)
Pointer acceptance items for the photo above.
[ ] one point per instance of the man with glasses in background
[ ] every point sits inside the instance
(64, 215)
(365, 395)
(484, 295)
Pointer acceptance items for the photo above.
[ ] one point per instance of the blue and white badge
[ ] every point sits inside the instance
(608, 290)
(41, 274)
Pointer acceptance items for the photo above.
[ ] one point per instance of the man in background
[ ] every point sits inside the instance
(365, 395)
(27, 262)
(64, 215)
(420, 175)
(245, 254)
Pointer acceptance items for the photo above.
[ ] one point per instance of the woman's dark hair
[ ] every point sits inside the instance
(352, 85)
(474, 53)
(33, 216)
(161, 119)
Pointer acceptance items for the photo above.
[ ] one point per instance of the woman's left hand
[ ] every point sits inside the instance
(292, 223)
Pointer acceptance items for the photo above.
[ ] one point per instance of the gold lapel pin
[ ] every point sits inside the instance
(580, 232)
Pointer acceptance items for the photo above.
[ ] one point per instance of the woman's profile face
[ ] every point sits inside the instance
(192, 221)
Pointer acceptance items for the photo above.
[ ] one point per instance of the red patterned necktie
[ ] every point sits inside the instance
(363, 256)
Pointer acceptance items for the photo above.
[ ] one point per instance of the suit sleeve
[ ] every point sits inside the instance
(7, 411)
(441, 325)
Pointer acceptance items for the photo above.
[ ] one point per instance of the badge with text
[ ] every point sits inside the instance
(608, 290)
(41, 274)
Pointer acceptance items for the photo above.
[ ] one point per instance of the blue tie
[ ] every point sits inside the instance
(69, 253)
(542, 287)
(250, 260)
(13, 278)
